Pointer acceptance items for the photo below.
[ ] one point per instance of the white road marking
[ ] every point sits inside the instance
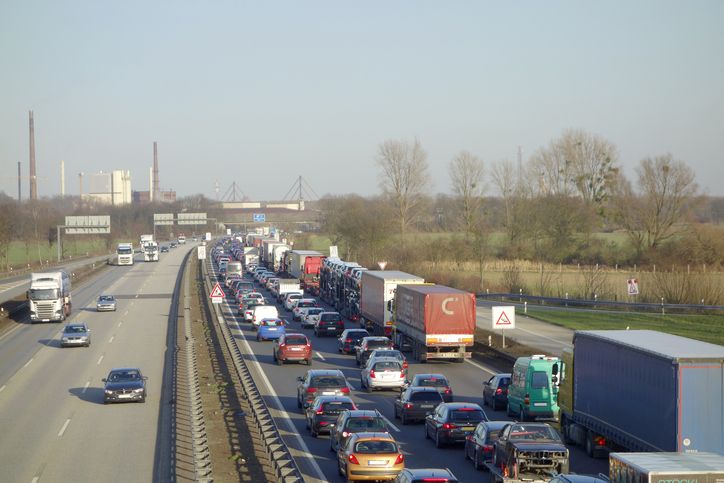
(110, 341)
(99, 360)
(320, 356)
(65, 426)
(125, 313)
(28, 363)
(35, 480)
(390, 423)
(136, 296)
(482, 367)
(2, 388)
(120, 323)
(85, 388)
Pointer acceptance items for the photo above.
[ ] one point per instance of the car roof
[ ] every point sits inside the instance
(334, 398)
(325, 372)
(363, 413)
(125, 369)
(430, 376)
(495, 424)
(503, 374)
(386, 359)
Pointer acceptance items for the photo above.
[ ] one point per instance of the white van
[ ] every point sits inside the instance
(263, 312)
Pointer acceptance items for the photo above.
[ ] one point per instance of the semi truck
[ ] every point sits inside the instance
(49, 298)
(434, 321)
(150, 251)
(124, 254)
(666, 467)
(305, 265)
(642, 391)
(277, 255)
(251, 256)
(377, 295)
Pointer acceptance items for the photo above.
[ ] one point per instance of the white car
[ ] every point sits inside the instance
(291, 300)
(383, 373)
(311, 316)
(302, 303)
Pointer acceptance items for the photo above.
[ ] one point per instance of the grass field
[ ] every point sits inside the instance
(708, 328)
(21, 254)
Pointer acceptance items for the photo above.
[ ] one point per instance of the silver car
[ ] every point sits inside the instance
(383, 373)
(106, 303)
(77, 334)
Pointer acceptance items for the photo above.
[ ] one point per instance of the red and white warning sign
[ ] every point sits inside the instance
(217, 294)
(632, 285)
(504, 317)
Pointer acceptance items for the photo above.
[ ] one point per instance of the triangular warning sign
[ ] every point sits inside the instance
(217, 291)
(503, 320)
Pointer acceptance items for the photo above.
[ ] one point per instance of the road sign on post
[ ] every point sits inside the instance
(201, 252)
(163, 218)
(217, 294)
(633, 286)
(258, 217)
(191, 218)
(503, 318)
(87, 225)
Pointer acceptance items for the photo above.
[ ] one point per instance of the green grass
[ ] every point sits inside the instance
(21, 254)
(708, 328)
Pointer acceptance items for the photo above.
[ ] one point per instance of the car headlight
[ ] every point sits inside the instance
(108, 391)
(140, 389)
(65, 339)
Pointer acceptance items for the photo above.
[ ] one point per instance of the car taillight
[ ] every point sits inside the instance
(353, 459)
(526, 400)
(600, 441)
(487, 448)
(448, 390)
(405, 365)
(345, 390)
(448, 426)
(498, 391)
(311, 389)
(320, 411)
(400, 459)
(281, 346)
(372, 373)
(408, 406)
(345, 434)
(348, 340)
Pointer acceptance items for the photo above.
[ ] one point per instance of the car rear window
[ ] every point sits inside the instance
(336, 407)
(426, 396)
(387, 366)
(376, 344)
(296, 341)
(467, 416)
(366, 424)
(357, 335)
(374, 447)
(539, 380)
(504, 382)
(382, 353)
(330, 318)
(271, 322)
(328, 381)
(305, 304)
(314, 311)
(432, 382)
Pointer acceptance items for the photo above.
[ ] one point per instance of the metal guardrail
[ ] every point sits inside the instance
(601, 304)
(283, 465)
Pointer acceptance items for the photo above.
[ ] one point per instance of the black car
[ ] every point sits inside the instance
(367, 345)
(124, 384)
(329, 323)
(415, 403)
(349, 339)
(421, 475)
(355, 421)
(438, 381)
(480, 445)
(526, 447)
(495, 391)
(164, 248)
(452, 422)
(321, 382)
(323, 412)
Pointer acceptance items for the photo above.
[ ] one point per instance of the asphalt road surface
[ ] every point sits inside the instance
(55, 427)
(278, 385)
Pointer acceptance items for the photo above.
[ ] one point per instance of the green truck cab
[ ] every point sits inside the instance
(533, 390)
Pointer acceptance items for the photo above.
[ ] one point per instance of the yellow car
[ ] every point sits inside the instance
(370, 456)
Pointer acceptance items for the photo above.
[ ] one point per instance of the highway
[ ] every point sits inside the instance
(278, 385)
(55, 426)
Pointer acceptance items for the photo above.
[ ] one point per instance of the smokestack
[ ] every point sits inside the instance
(62, 178)
(150, 184)
(80, 180)
(156, 190)
(19, 181)
(33, 180)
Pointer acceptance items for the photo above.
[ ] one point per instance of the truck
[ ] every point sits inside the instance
(641, 391)
(434, 321)
(287, 285)
(124, 254)
(251, 256)
(669, 467)
(277, 254)
(305, 265)
(265, 252)
(377, 295)
(145, 239)
(181, 239)
(150, 251)
(49, 296)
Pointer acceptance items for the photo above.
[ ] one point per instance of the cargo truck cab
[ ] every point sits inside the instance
(533, 390)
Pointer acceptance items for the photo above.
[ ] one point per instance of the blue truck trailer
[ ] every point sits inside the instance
(642, 390)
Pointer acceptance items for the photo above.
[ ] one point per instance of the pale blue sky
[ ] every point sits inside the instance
(261, 92)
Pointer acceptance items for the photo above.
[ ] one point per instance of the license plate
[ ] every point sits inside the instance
(539, 404)
(124, 396)
(376, 462)
(272, 329)
(468, 428)
(328, 393)
(426, 406)
(331, 328)
(296, 348)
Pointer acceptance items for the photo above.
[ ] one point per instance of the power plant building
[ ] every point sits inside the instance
(113, 188)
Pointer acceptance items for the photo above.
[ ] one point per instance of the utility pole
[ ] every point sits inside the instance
(19, 182)
(33, 174)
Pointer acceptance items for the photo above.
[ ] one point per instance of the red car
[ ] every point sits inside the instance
(292, 347)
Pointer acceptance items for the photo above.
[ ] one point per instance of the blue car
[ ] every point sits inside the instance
(270, 329)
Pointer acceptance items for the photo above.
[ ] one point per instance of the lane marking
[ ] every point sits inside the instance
(2, 388)
(62, 430)
(482, 367)
(99, 360)
(28, 363)
(390, 423)
(110, 341)
(35, 479)
(125, 313)
(320, 356)
(120, 323)
(85, 388)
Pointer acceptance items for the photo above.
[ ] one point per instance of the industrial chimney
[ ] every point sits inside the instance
(62, 179)
(155, 188)
(33, 176)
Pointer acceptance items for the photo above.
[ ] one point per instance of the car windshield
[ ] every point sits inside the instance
(314, 311)
(467, 415)
(336, 407)
(125, 251)
(122, 376)
(432, 382)
(328, 381)
(374, 447)
(106, 298)
(330, 318)
(539, 380)
(366, 424)
(305, 304)
(521, 432)
(296, 341)
(74, 329)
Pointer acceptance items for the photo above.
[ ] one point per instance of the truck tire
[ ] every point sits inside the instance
(588, 444)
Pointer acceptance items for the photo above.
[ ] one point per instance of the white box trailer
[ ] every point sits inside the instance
(377, 295)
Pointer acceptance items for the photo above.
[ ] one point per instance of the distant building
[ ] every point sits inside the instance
(145, 197)
(113, 188)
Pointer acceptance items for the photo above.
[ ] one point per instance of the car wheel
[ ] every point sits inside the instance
(309, 361)
(485, 401)
(314, 432)
(438, 441)
(397, 414)
(306, 423)
(403, 419)
(331, 444)
(588, 445)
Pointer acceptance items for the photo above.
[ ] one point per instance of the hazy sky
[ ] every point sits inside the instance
(261, 92)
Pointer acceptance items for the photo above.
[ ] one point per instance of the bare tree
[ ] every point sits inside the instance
(404, 178)
(515, 195)
(667, 193)
(466, 174)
